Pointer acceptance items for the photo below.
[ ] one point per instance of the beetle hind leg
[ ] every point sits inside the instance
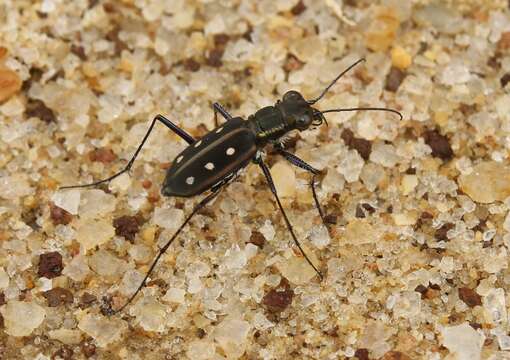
(218, 108)
(183, 134)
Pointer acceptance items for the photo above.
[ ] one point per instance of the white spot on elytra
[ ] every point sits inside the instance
(209, 166)
(190, 180)
(197, 144)
(231, 151)
(179, 159)
(219, 130)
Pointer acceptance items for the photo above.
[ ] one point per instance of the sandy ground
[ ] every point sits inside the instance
(415, 252)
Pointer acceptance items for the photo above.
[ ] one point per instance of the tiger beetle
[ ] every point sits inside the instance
(212, 162)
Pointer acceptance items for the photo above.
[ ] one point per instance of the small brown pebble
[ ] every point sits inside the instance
(292, 63)
(201, 333)
(360, 214)
(79, 51)
(103, 155)
(65, 353)
(191, 65)
(59, 216)
(368, 208)
(153, 196)
(258, 239)
(394, 79)
(58, 296)
(362, 354)
(146, 184)
(10, 84)
(88, 348)
(278, 299)
(439, 144)
(440, 233)
(395, 355)
(214, 58)
(298, 9)
(362, 146)
(127, 226)
(50, 265)
(504, 41)
(505, 79)
(86, 300)
(3, 54)
(470, 297)
(475, 326)
(37, 108)
(220, 40)
(422, 290)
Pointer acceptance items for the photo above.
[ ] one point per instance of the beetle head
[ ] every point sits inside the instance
(298, 112)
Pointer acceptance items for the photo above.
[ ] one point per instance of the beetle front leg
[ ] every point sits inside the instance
(270, 182)
(294, 160)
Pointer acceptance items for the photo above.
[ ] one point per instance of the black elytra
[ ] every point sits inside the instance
(212, 162)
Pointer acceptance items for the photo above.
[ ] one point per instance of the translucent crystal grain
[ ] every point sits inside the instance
(22, 318)
(463, 341)
(102, 329)
(488, 182)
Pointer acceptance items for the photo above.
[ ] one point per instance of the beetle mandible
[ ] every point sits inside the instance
(212, 162)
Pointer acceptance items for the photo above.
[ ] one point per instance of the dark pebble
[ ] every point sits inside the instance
(86, 300)
(258, 239)
(59, 216)
(439, 144)
(394, 79)
(298, 9)
(58, 296)
(50, 265)
(362, 146)
(470, 297)
(102, 155)
(278, 299)
(440, 233)
(37, 108)
(127, 226)
(79, 51)
(505, 79)
(191, 65)
(362, 354)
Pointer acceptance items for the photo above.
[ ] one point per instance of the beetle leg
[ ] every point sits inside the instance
(196, 209)
(220, 109)
(183, 134)
(294, 160)
(269, 179)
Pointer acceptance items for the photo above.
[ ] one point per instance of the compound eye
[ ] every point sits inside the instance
(291, 95)
(303, 121)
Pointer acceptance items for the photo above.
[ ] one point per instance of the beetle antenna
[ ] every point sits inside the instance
(365, 108)
(311, 102)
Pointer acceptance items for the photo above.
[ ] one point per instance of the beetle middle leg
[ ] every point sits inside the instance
(220, 109)
(215, 192)
(176, 129)
(294, 160)
(270, 182)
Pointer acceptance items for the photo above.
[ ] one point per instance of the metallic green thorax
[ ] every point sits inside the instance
(272, 122)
